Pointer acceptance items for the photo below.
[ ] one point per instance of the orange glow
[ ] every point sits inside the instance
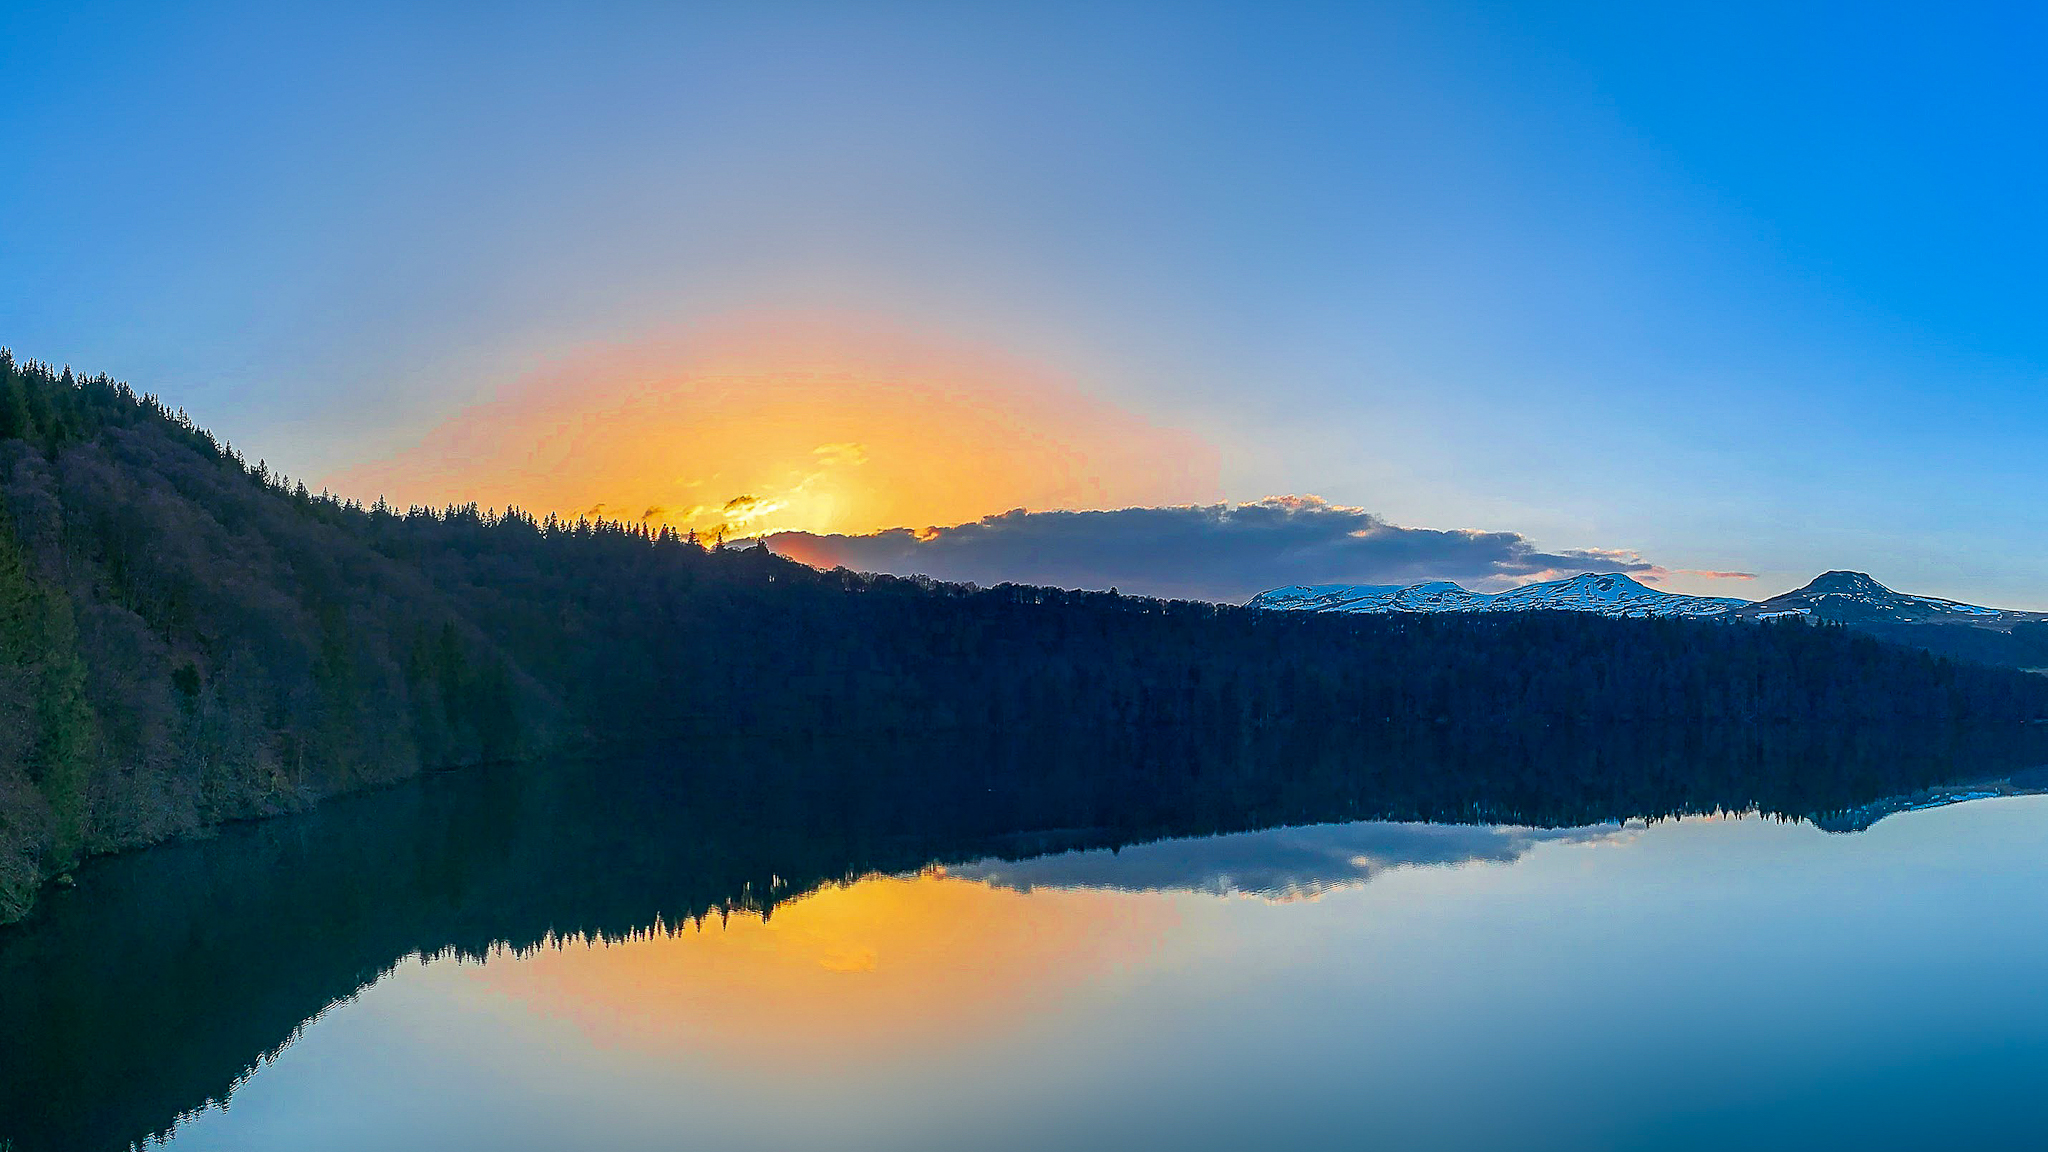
(844, 973)
(762, 427)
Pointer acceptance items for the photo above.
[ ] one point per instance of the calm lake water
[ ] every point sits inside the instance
(395, 974)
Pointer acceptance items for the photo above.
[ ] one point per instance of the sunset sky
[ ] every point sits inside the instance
(1340, 292)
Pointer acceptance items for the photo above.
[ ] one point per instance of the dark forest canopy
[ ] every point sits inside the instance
(187, 638)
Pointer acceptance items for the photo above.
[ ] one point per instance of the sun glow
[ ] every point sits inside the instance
(751, 428)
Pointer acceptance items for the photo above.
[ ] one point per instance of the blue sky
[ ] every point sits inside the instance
(1734, 287)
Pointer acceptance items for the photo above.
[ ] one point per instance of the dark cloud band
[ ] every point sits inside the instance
(1210, 552)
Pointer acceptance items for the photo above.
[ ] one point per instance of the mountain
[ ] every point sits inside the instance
(1604, 594)
(1945, 627)
(1851, 599)
(1434, 596)
(1855, 598)
(1611, 594)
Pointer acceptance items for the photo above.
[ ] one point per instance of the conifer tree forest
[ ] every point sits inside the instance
(188, 638)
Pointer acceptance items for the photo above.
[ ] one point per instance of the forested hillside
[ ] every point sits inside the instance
(186, 638)
(183, 640)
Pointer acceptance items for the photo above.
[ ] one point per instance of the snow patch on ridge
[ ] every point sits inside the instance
(1605, 594)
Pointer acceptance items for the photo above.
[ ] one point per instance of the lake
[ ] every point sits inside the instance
(577, 959)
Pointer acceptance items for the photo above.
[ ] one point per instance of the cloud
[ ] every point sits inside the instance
(1212, 552)
(1704, 574)
(1657, 574)
(841, 453)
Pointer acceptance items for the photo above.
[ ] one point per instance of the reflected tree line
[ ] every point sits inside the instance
(164, 978)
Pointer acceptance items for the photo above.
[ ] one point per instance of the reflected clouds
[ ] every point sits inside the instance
(879, 965)
(887, 963)
(1281, 863)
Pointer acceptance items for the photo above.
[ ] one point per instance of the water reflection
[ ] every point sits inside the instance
(1278, 864)
(709, 911)
(859, 970)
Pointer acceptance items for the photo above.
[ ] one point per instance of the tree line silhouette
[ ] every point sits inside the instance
(187, 638)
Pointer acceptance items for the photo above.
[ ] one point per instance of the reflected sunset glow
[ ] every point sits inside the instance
(846, 972)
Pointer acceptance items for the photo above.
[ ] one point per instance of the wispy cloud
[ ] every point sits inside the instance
(1213, 552)
(1657, 574)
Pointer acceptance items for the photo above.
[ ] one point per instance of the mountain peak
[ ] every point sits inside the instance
(1852, 583)
(1607, 580)
(1853, 597)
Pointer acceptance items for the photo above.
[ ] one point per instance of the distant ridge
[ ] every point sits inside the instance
(1853, 599)
(1603, 594)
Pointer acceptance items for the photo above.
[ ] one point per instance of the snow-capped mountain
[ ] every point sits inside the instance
(1605, 594)
(1945, 627)
(1612, 594)
(1433, 596)
(1855, 598)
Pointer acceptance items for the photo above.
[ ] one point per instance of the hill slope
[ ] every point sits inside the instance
(187, 639)
(1855, 598)
(184, 641)
(1947, 627)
